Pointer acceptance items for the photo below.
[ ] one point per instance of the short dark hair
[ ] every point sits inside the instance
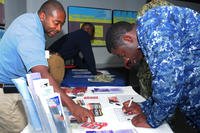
(114, 34)
(50, 5)
(91, 26)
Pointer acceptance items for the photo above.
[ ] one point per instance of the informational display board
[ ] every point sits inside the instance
(121, 15)
(101, 18)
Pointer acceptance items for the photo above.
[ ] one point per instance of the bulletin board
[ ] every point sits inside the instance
(101, 18)
(121, 15)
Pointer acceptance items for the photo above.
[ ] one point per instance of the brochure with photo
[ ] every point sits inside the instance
(94, 125)
(55, 106)
(96, 108)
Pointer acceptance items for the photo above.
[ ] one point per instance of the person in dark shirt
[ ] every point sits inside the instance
(70, 45)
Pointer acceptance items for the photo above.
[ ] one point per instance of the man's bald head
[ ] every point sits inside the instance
(49, 6)
(52, 16)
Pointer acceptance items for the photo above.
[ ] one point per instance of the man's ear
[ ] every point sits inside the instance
(42, 16)
(127, 38)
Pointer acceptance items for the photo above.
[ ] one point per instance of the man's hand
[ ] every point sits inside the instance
(140, 121)
(133, 109)
(82, 114)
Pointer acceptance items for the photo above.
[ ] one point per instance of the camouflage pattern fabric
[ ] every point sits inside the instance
(102, 78)
(152, 4)
(144, 74)
(169, 37)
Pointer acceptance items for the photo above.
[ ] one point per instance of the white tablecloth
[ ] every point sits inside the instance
(109, 115)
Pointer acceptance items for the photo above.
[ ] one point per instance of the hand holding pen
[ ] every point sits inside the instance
(130, 107)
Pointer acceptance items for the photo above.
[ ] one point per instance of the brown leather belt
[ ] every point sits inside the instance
(9, 88)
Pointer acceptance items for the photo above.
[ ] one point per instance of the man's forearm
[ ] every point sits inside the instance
(66, 100)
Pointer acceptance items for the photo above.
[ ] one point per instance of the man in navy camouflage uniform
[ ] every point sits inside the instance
(168, 37)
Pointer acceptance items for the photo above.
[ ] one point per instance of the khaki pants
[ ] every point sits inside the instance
(12, 114)
(56, 67)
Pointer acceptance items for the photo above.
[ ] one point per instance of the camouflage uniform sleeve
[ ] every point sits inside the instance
(166, 86)
(161, 44)
(144, 77)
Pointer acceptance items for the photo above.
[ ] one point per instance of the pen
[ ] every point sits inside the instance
(130, 102)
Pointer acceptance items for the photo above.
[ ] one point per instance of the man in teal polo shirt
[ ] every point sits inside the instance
(23, 51)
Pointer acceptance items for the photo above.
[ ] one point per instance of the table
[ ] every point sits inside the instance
(109, 112)
(79, 78)
(109, 115)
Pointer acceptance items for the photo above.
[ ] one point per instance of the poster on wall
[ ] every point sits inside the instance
(2, 14)
(101, 18)
(121, 15)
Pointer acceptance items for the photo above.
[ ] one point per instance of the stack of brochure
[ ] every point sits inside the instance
(48, 106)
